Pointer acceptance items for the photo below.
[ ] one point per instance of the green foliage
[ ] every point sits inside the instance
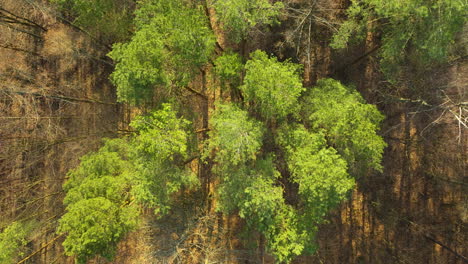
(228, 67)
(320, 172)
(184, 31)
(272, 87)
(413, 30)
(12, 239)
(109, 19)
(252, 191)
(239, 184)
(284, 237)
(103, 192)
(249, 185)
(105, 162)
(239, 16)
(236, 137)
(340, 139)
(171, 43)
(264, 209)
(99, 210)
(139, 67)
(94, 226)
(161, 135)
(158, 154)
(349, 123)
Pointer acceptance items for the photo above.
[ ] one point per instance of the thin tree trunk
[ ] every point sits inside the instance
(29, 22)
(59, 97)
(40, 249)
(465, 259)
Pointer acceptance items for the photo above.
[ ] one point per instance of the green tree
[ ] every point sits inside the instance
(318, 139)
(253, 192)
(236, 138)
(99, 211)
(248, 184)
(12, 240)
(238, 17)
(171, 43)
(95, 226)
(416, 31)
(104, 192)
(337, 142)
(139, 67)
(158, 154)
(320, 173)
(228, 68)
(349, 123)
(272, 87)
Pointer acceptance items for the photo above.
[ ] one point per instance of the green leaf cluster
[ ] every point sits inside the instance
(248, 184)
(228, 67)
(12, 240)
(235, 137)
(95, 226)
(252, 190)
(320, 173)
(329, 137)
(265, 209)
(272, 87)
(349, 123)
(98, 204)
(171, 43)
(238, 17)
(158, 156)
(139, 67)
(412, 31)
(104, 192)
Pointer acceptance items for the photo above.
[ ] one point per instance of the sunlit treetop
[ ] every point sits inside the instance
(228, 67)
(320, 172)
(13, 239)
(171, 43)
(161, 134)
(95, 226)
(252, 189)
(235, 136)
(139, 67)
(104, 193)
(157, 154)
(272, 87)
(98, 210)
(350, 124)
(183, 27)
(321, 175)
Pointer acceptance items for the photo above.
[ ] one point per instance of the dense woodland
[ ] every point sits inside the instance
(233, 131)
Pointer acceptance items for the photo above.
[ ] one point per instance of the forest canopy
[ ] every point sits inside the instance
(226, 131)
(268, 132)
